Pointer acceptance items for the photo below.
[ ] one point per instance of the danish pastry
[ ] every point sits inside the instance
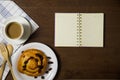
(32, 62)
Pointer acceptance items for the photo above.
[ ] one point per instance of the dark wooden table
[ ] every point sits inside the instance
(78, 63)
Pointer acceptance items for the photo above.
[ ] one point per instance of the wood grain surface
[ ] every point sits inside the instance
(78, 63)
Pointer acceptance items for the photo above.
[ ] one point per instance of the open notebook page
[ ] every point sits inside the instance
(79, 29)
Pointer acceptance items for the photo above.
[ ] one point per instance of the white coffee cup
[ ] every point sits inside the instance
(14, 30)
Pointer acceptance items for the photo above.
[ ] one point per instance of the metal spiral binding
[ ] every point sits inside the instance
(79, 29)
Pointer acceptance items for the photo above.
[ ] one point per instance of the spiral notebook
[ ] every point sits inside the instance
(79, 29)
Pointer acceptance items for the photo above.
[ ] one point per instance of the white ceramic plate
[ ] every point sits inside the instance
(47, 51)
(21, 20)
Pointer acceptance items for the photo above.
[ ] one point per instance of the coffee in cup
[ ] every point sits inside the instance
(14, 30)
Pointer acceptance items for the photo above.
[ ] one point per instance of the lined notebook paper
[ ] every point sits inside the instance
(79, 29)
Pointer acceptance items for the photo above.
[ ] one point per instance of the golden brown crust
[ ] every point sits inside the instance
(32, 62)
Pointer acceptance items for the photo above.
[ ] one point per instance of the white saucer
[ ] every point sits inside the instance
(27, 32)
(47, 51)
